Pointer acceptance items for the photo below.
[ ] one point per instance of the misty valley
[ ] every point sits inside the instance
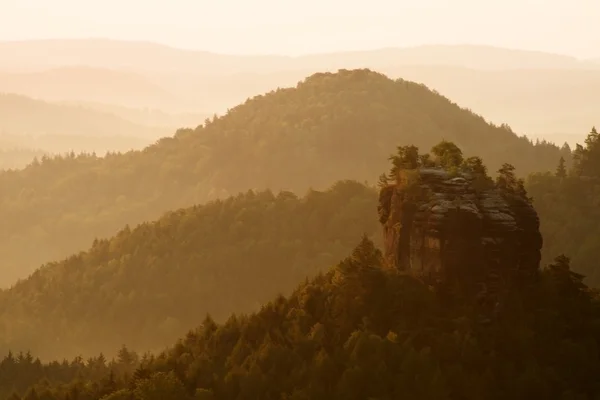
(418, 223)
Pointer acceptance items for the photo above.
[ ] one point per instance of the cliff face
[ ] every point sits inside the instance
(441, 226)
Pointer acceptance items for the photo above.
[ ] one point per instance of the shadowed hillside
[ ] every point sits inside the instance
(328, 128)
(364, 329)
(567, 200)
(360, 331)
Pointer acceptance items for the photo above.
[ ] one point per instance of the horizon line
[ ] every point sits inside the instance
(296, 55)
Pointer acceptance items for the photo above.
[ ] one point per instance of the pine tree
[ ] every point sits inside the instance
(561, 170)
(506, 179)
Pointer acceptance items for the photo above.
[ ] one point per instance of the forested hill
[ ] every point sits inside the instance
(329, 127)
(148, 285)
(359, 331)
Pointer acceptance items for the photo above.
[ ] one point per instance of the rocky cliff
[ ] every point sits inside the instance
(440, 225)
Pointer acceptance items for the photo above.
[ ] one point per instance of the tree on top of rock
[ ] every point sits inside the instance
(475, 166)
(506, 179)
(406, 157)
(447, 154)
(507, 182)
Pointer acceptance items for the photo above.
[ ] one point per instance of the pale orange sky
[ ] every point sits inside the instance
(296, 27)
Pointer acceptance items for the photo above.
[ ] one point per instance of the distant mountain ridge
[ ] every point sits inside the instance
(330, 127)
(538, 94)
(20, 114)
(145, 56)
(78, 83)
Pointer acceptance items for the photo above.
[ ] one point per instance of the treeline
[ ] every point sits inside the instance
(568, 203)
(330, 127)
(363, 331)
(26, 377)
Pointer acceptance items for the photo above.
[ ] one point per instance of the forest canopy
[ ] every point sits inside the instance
(359, 331)
(567, 201)
(330, 127)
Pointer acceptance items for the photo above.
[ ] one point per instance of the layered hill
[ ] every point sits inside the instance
(147, 285)
(539, 94)
(85, 83)
(145, 56)
(364, 331)
(329, 127)
(20, 115)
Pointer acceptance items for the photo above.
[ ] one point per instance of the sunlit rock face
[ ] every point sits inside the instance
(438, 225)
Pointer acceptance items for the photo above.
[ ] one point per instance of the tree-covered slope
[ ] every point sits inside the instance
(148, 285)
(568, 203)
(362, 331)
(329, 127)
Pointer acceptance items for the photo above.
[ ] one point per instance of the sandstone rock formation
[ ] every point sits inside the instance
(440, 225)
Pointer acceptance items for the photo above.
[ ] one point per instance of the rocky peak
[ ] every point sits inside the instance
(441, 224)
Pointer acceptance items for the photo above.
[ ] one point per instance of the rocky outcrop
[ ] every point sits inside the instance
(440, 225)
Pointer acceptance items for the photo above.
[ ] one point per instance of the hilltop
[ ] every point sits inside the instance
(227, 256)
(527, 89)
(330, 127)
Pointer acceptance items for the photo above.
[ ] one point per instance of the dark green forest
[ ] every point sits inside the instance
(568, 203)
(229, 256)
(330, 127)
(359, 331)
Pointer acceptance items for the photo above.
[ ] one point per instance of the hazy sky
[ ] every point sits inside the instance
(303, 26)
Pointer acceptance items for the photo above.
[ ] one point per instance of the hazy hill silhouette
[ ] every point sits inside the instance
(29, 127)
(145, 116)
(556, 104)
(23, 115)
(144, 56)
(538, 94)
(85, 83)
(330, 127)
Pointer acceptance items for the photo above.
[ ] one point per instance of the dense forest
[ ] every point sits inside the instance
(356, 331)
(568, 203)
(330, 127)
(360, 331)
(148, 285)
